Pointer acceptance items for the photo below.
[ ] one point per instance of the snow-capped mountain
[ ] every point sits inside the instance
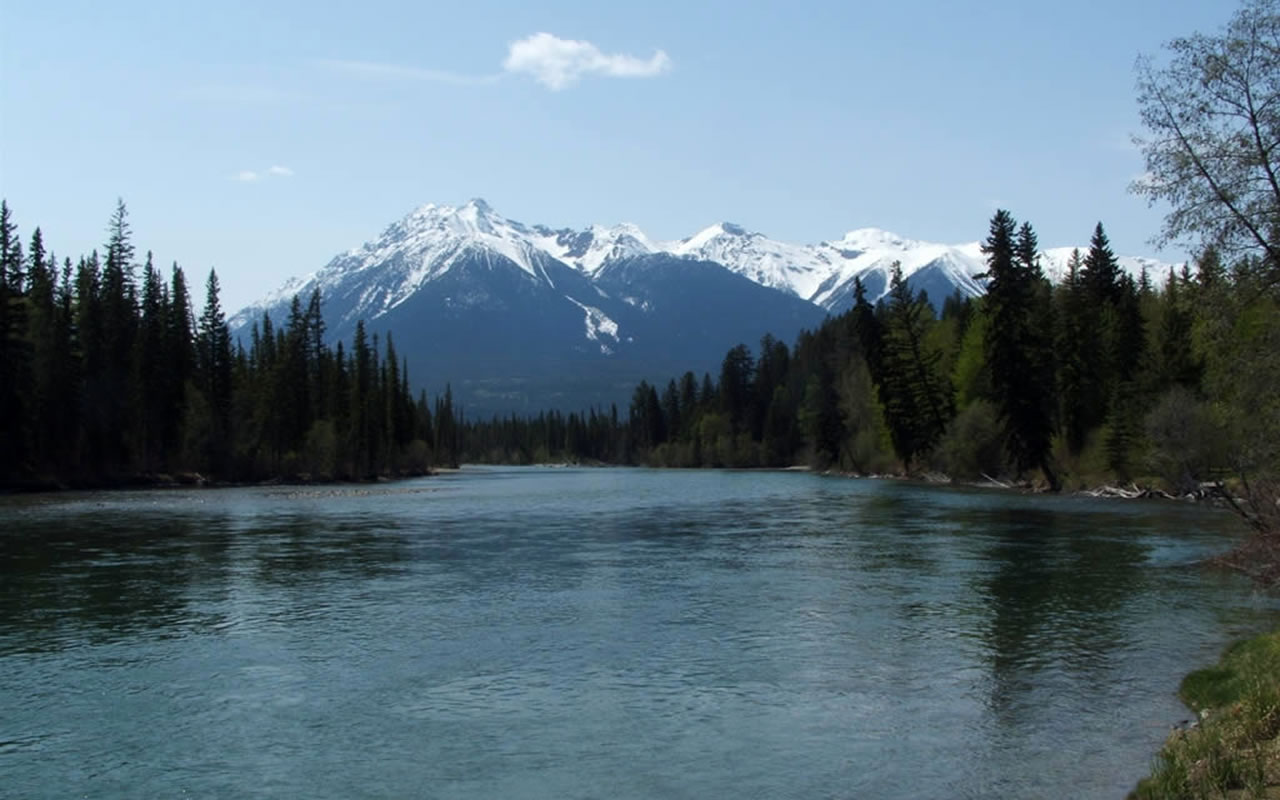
(526, 316)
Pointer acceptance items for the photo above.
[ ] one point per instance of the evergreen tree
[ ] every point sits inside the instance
(737, 375)
(213, 353)
(446, 436)
(13, 422)
(916, 397)
(1018, 348)
(117, 304)
(778, 435)
(39, 398)
(868, 329)
(1100, 277)
(1178, 364)
(648, 428)
(180, 359)
(1078, 355)
(151, 364)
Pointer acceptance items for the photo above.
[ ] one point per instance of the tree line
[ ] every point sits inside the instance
(1103, 377)
(108, 377)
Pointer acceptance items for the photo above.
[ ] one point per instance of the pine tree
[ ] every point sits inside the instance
(917, 399)
(737, 373)
(117, 303)
(213, 353)
(648, 428)
(1096, 343)
(1100, 277)
(151, 401)
(180, 360)
(1017, 343)
(1077, 345)
(40, 398)
(868, 329)
(1178, 364)
(14, 431)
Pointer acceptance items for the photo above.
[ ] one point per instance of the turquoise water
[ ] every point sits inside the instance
(601, 633)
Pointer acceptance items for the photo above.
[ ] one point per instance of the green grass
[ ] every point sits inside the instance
(1235, 751)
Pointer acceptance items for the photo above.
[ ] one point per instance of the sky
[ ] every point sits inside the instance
(262, 138)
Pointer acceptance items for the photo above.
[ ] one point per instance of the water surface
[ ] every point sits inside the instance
(601, 633)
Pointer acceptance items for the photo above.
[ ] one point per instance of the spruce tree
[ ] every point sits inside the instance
(917, 398)
(214, 358)
(1018, 344)
(151, 360)
(13, 422)
(180, 359)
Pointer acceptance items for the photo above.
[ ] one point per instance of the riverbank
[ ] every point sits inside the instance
(1233, 749)
(190, 480)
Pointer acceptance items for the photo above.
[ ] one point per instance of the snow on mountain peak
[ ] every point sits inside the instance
(430, 240)
(874, 239)
(593, 248)
(696, 244)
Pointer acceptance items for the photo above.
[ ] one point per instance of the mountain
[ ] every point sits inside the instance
(524, 318)
(521, 317)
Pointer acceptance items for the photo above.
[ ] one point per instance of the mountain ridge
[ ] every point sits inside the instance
(821, 273)
(503, 306)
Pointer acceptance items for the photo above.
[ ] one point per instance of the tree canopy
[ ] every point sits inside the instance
(1212, 112)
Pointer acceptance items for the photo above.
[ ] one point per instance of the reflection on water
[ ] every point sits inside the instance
(581, 633)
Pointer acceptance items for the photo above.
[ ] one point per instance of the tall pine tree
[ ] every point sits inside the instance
(1018, 345)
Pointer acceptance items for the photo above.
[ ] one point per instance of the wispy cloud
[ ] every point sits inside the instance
(252, 176)
(553, 62)
(559, 63)
(373, 69)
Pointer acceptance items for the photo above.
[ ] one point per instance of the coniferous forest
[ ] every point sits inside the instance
(107, 377)
(110, 377)
(1168, 380)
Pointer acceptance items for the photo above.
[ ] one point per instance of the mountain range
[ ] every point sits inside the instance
(522, 317)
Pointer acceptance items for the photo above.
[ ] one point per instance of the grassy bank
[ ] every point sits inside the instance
(1234, 749)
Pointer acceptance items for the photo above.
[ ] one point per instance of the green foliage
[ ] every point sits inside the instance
(972, 375)
(1234, 749)
(973, 445)
(1018, 346)
(867, 448)
(1212, 109)
(916, 395)
(1186, 440)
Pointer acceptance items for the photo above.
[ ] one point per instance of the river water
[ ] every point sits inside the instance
(613, 633)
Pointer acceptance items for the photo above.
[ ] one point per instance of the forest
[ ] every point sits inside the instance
(1167, 380)
(1103, 378)
(108, 378)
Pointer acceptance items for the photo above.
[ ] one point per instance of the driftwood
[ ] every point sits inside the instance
(1134, 492)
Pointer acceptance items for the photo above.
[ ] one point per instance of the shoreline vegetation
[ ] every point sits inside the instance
(1232, 748)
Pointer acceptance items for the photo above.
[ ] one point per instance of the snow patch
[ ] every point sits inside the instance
(598, 325)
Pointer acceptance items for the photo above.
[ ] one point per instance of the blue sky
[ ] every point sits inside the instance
(263, 138)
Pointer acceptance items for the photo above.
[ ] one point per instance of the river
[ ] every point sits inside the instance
(601, 633)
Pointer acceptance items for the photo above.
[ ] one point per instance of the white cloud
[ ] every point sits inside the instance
(554, 62)
(252, 176)
(559, 63)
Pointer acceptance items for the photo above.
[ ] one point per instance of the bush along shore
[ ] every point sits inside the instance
(1232, 750)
